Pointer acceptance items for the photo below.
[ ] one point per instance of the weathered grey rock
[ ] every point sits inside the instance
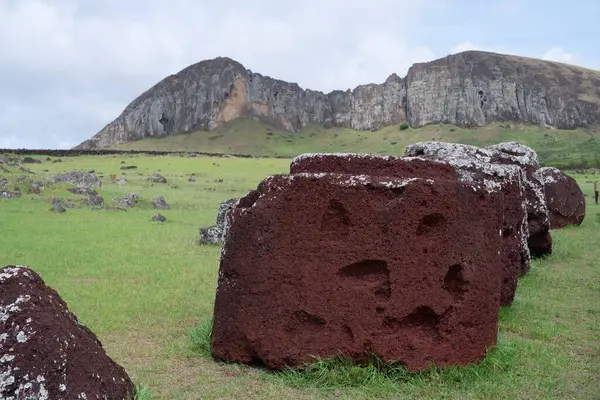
(157, 178)
(3, 182)
(160, 203)
(93, 198)
(121, 181)
(211, 235)
(129, 200)
(468, 89)
(79, 179)
(214, 234)
(475, 88)
(492, 161)
(159, 218)
(57, 206)
(6, 194)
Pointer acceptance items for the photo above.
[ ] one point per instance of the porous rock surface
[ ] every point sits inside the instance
(495, 160)
(214, 234)
(564, 197)
(505, 180)
(47, 353)
(327, 264)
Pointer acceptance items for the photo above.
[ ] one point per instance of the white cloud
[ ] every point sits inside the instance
(466, 46)
(7, 142)
(558, 54)
(69, 67)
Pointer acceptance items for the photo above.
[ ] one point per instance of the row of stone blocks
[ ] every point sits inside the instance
(407, 258)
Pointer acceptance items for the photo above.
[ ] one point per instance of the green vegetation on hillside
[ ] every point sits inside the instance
(142, 287)
(559, 148)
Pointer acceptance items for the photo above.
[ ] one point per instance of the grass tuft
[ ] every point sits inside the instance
(201, 337)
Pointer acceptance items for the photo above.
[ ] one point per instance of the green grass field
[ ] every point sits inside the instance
(243, 136)
(147, 290)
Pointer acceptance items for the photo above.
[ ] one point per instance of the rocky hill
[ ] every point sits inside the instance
(467, 89)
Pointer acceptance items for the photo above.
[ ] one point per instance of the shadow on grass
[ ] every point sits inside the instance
(373, 376)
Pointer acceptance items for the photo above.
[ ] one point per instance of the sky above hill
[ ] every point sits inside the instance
(69, 67)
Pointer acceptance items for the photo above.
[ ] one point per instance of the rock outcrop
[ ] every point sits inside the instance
(504, 179)
(214, 234)
(496, 161)
(79, 179)
(46, 352)
(564, 198)
(323, 264)
(468, 89)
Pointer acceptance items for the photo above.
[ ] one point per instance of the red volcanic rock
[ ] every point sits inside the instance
(372, 164)
(46, 352)
(329, 264)
(564, 198)
(505, 179)
(469, 158)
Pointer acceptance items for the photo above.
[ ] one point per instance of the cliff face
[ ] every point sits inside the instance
(466, 89)
(476, 88)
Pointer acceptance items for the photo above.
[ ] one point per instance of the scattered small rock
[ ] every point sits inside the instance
(121, 181)
(125, 167)
(80, 179)
(157, 178)
(160, 203)
(57, 206)
(30, 160)
(158, 218)
(129, 200)
(192, 180)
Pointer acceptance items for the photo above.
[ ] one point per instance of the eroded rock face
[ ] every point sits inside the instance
(472, 88)
(46, 352)
(564, 197)
(322, 264)
(504, 179)
(492, 161)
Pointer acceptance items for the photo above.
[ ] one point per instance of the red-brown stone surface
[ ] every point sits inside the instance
(564, 198)
(329, 264)
(46, 353)
(505, 179)
(467, 158)
(372, 164)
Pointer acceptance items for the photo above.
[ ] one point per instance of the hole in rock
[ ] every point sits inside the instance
(249, 199)
(305, 318)
(368, 270)
(454, 281)
(422, 316)
(430, 222)
(336, 221)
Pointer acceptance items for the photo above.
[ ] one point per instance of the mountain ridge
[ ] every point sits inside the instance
(466, 89)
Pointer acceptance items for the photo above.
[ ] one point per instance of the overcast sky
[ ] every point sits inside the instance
(69, 67)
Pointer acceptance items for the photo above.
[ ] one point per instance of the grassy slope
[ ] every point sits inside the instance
(555, 147)
(142, 286)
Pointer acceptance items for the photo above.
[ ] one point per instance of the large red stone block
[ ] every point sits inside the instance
(337, 264)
